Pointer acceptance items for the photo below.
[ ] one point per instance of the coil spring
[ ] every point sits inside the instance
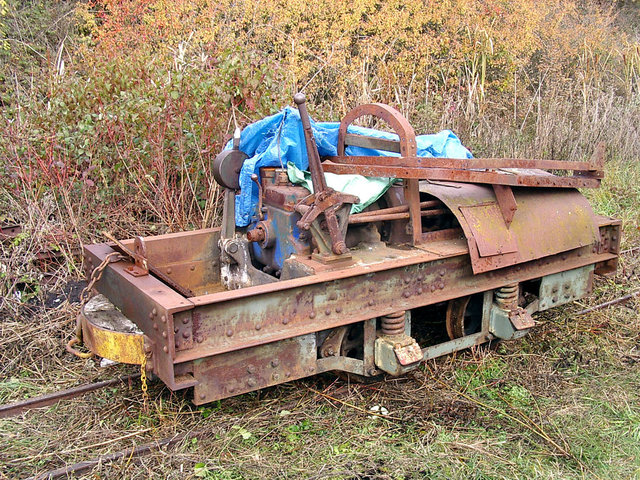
(393, 324)
(507, 296)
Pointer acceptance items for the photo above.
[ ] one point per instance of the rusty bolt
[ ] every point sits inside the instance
(370, 302)
(151, 315)
(251, 369)
(155, 326)
(275, 362)
(185, 320)
(256, 235)
(338, 309)
(287, 374)
(432, 288)
(165, 349)
(420, 291)
(185, 334)
(203, 396)
(285, 321)
(169, 270)
(442, 272)
(176, 330)
(232, 248)
(441, 285)
(199, 339)
(407, 280)
(229, 332)
(312, 315)
(371, 371)
(275, 376)
(258, 326)
(554, 299)
(406, 294)
(164, 334)
(163, 318)
(192, 268)
(232, 389)
(177, 343)
(154, 312)
(327, 311)
(251, 382)
(371, 289)
(330, 351)
(420, 277)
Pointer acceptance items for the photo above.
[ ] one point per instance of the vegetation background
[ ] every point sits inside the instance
(110, 114)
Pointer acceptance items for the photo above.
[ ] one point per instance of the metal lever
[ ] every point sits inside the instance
(324, 199)
(255, 179)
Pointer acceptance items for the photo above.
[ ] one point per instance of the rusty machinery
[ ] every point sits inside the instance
(457, 253)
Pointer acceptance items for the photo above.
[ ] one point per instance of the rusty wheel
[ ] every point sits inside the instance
(464, 316)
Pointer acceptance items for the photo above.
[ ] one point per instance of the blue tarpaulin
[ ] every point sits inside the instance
(279, 139)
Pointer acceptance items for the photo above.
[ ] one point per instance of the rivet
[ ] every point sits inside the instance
(442, 272)
(155, 326)
(371, 289)
(338, 309)
(192, 268)
(164, 334)
(311, 369)
(251, 382)
(185, 334)
(177, 343)
(564, 257)
(580, 253)
(232, 389)
(407, 280)
(432, 287)
(370, 302)
(229, 332)
(176, 329)
(202, 396)
(327, 311)
(567, 286)
(441, 285)
(555, 289)
(312, 315)
(185, 320)
(420, 277)
(164, 318)
(165, 349)
(251, 369)
(567, 296)
(151, 315)
(169, 270)
(554, 299)
(287, 374)
(155, 312)
(333, 296)
(275, 362)
(199, 339)
(614, 238)
(285, 321)
(258, 326)
(275, 376)
(406, 294)
(420, 291)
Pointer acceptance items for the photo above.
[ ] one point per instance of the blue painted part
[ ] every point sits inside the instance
(278, 139)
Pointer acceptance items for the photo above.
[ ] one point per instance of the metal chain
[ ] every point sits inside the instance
(143, 381)
(85, 295)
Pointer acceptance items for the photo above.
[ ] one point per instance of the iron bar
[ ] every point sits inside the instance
(16, 408)
(615, 301)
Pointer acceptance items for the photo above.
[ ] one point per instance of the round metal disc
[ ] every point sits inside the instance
(226, 168)
(462, 318)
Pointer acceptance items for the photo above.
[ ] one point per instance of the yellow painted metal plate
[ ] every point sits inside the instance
(108, 334)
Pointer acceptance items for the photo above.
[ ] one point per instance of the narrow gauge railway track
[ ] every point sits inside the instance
(13, 409)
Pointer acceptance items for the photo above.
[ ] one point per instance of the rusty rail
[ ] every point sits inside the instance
(16, 408)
